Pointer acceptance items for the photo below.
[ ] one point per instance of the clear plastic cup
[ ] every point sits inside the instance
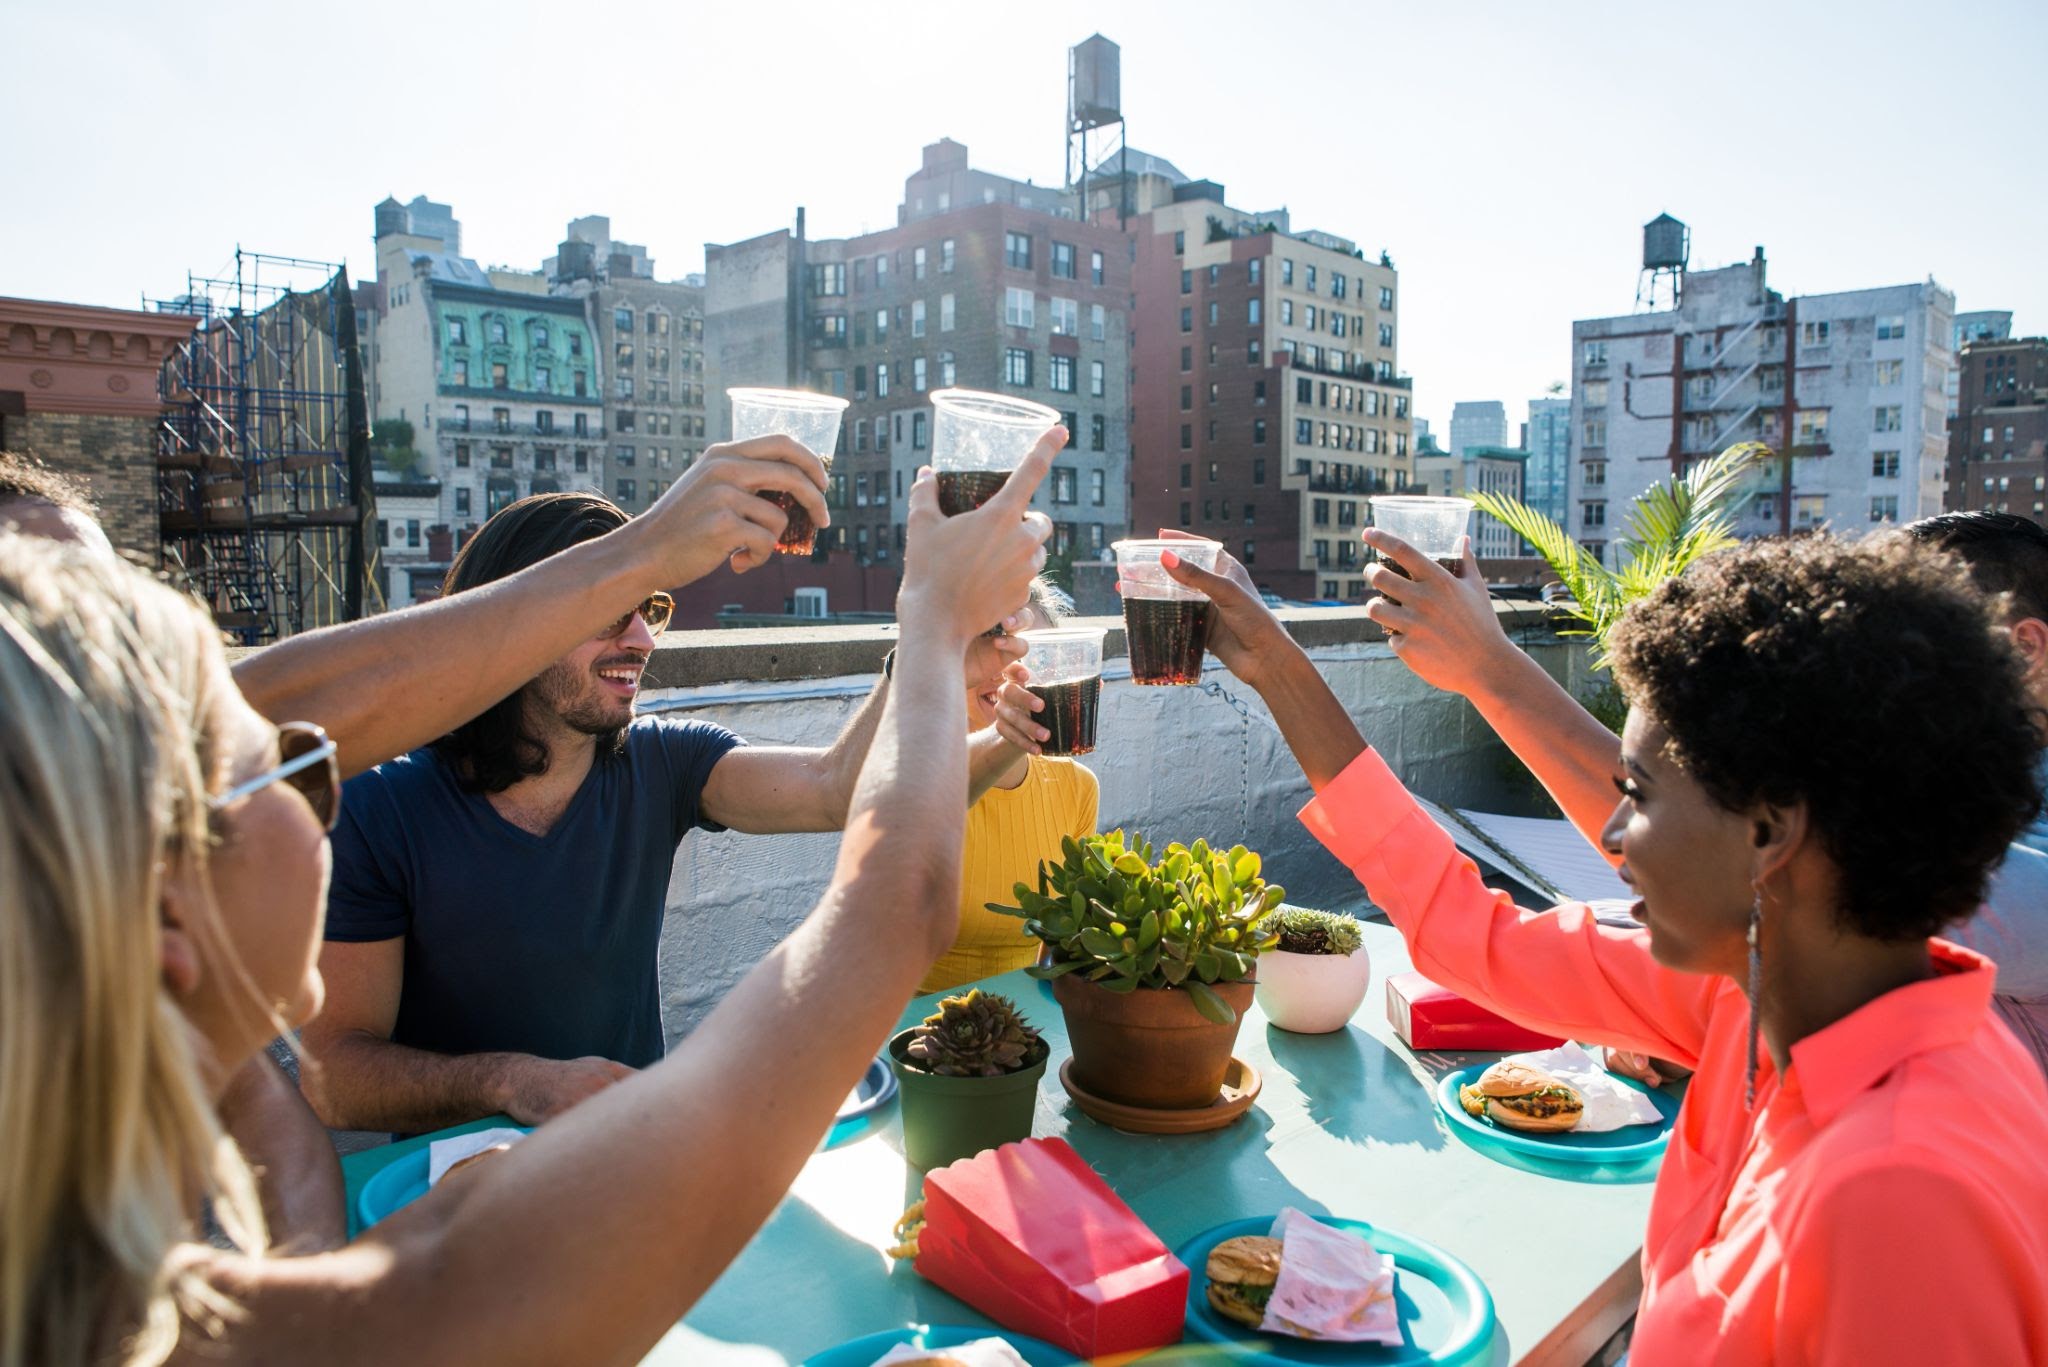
(1065, 664)
(978, 439)
(810, 420)
(1431, 525)
(1166, 624)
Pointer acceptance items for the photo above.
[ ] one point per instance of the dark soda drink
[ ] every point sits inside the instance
(801, 534)
(1454, 564)
(962, 491)
(1070, 710)
(1166, 638)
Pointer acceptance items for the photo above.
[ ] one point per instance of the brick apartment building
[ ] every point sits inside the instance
(1268, 401)
(1998, 440)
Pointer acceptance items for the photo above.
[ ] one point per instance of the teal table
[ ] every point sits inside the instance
(358, 1168)
(1346, 1125)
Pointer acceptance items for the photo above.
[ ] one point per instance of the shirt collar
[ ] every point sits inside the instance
(1837, 1063)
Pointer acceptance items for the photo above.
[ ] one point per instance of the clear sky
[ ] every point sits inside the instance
(1507, 155)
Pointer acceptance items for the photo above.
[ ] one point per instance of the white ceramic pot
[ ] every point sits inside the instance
(1312, 994)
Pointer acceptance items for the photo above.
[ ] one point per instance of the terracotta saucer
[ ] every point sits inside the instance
(1241, 1085)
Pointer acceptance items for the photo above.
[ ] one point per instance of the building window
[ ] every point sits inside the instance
(1017, 250)
(460, 370)
(1251, 311)
(1186, 513)
(1180, 244)
(458, 332)
(622, 320)
(461, 504)
(495, 329)
(1095, 267)
(1252, 352)
(1596, 473)
(1812, 427)
(917, 317)
(1016, 366)
(1884, 508)
(1889, 329)
(1286, 271)
(918, 435)
(1386, 297)
(1065, 489)
(1063, 260)
(1098, 484)
(1592, 514)
(1187, 437)
(627, 490)
(917, 375)
(544, 420)
(1888, 372)
(1884, 465)
(1019, 308)
(1062, 378)
(1287, 313)
(946, 257)
(828, 280)
(1386, 334)
(501, 457)
(1309, 279)
(881, 326)
(1187, 474)
(1889, 419)
(1255, 270)
(946, 370)
(1187, 282)
(501, 419)
(1258, 477)
(1594, 433)
(1813, 334)
(1304, 431)
(623, 455)
(461, 423)
(1187, 320)
(1066, 318)
(544, 380)
(917, 263)
(945, 313)
(462, 455)
(860, 491)
(882, 380)
(623, 386)
(882, 271)
(1596, 353)
(1258, 431)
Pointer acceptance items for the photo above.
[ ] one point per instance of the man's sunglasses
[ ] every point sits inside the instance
(308, 764)
(655, 610)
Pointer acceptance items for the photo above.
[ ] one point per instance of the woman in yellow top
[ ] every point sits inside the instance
(1017, 822)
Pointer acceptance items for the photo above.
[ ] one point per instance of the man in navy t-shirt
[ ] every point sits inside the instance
(497, 897)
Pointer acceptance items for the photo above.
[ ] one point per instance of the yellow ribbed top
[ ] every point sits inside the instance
(1008, 832)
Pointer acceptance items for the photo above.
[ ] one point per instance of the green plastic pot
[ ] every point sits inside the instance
(946, 1119)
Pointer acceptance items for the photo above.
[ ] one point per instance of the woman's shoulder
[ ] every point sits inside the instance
(1063, 775)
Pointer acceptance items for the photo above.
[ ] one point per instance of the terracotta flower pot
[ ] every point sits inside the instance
(1312, 994)
(946, 1119)
(1150, 1047)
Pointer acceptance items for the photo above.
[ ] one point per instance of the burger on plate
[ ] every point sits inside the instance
(1241, 1274)
(1518, 1096)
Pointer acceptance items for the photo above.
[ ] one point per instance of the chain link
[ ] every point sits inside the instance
(1244, 753)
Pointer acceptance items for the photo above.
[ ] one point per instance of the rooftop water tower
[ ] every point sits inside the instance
(1667, 244)
(1094, 107)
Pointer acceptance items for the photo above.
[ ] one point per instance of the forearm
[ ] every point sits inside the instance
(991, 760)
(298, 1176)
(358, 1081)
(1564, 745)
(840, 766)
(1314, 723)
(391, 683)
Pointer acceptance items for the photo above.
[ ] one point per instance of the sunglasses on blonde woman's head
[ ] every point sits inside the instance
(307, 763)
(655, 610)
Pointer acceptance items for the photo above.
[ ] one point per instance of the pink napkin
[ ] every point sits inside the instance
(1332, 1285)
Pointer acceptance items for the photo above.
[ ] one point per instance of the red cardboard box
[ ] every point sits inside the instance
(1029, 1235)
(1427, 1016)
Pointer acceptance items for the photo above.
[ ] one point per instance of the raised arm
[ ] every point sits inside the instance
(1449, 634)
(391, 683)
(649, 1165)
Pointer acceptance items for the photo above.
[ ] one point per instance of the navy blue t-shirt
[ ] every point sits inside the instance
(535, 944)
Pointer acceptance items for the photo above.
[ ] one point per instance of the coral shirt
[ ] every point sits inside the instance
(1887, 1200)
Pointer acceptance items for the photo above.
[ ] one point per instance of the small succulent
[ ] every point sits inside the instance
(1305, 931)
(1120, 918)
(978, 1035)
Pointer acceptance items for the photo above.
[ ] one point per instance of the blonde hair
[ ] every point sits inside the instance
(110, 688)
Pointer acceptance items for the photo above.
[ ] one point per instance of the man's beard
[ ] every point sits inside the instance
(569, 695)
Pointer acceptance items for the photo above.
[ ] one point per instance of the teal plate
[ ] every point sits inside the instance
(862, 1352)
(1617, 1148)
(397, 1185)
(1446, 1312)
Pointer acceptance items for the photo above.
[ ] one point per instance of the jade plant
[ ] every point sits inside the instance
(976, 1035)
(1124, 919)
(1303, 930)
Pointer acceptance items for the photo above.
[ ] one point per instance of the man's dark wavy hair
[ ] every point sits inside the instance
(495, 750)
(2007, 555)
(1864, 680)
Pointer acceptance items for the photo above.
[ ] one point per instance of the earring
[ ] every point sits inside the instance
(1756, 987)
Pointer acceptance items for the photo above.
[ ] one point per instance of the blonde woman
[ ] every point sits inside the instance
(162, 871)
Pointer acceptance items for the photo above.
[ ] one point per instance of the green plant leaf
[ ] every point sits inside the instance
(1209, 1004)
(1058, 970)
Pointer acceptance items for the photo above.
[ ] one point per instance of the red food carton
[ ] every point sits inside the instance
(1427, 1016)
(1029, 1235)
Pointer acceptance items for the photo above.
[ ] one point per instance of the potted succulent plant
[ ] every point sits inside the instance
(1315, 976)
(969, 1078)
(1150, 960)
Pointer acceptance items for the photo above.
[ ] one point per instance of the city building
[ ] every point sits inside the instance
(1478, 424)
(651, 335)
(1268, 403)
(1496, 470)
(1846, 389)
(984, 283)
(1547, 437)
(500, 380)
(1998, 444)
(1982, 325)
(78, 391)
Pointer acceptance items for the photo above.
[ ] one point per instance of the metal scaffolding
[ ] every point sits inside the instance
(263, 465)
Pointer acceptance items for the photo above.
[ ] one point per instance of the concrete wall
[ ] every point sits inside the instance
(1174, 763)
